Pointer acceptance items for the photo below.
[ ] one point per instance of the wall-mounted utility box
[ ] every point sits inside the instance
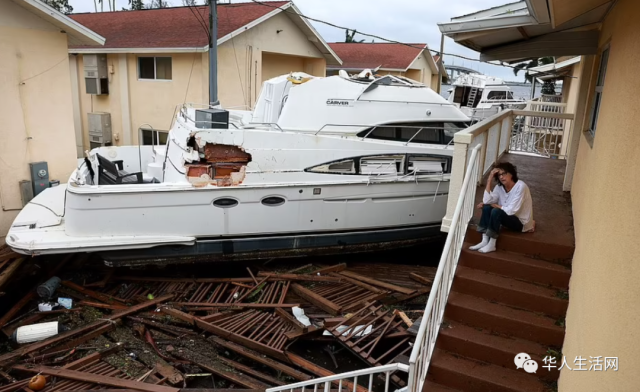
(39, 176)
(99, 129)
(26, 192)
(96, 74)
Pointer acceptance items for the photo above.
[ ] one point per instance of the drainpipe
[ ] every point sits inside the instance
(213, 54)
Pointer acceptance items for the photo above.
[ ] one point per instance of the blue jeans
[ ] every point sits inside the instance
(493, 218)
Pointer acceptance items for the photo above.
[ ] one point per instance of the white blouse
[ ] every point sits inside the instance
(516, 202)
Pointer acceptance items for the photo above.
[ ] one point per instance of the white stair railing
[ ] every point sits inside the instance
(434, 311)
(347, 381)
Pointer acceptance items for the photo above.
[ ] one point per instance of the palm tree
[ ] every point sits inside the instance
(349, 37)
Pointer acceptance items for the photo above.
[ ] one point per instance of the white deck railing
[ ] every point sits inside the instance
(348, 381)
(434, 312)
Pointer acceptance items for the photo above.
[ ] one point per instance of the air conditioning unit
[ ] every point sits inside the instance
(99, 129)
(96, 74)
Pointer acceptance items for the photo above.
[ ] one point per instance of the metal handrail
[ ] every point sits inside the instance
(386, 369)
(434, 311)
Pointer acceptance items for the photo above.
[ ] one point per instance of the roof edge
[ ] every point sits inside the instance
(77, 29)
(138, 50)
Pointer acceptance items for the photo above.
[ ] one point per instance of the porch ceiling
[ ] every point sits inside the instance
(515, 34)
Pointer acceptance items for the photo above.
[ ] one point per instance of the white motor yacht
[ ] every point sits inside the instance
(481, 96)
(322, 165)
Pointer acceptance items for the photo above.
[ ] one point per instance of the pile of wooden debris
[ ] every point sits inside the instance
(83, 328)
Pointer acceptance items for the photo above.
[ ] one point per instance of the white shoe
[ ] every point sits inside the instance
(490, 247)
(485, 241)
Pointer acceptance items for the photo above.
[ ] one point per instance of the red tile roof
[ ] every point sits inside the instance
(371, 55)
(176, 27)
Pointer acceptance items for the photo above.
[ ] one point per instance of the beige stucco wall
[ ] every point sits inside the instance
(243, 64)
(570, 88)
(35, 104)
(426, 73)
(603, 314)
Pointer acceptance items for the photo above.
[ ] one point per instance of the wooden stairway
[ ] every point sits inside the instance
(501, 304)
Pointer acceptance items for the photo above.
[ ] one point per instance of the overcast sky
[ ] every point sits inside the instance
(411, 21)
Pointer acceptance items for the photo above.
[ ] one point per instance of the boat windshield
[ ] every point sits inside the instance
(427, 133)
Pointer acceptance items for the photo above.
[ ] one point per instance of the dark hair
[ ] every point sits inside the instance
(509, 168)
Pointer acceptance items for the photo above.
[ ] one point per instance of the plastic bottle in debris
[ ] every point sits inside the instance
(36, 332)
(48, 288)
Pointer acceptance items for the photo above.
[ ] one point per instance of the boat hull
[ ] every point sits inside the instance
(284, 246)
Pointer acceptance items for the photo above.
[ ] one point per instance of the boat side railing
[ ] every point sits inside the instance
(434, 311)
(347, 381)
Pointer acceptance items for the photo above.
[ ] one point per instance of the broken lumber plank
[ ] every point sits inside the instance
(298, 333)
(253, 277)
(301, 278)
(107, 299)
(291, 319)
(421, 279)
(94, 333)
(224, 372)
(404, 317)
(16, 308)
(322, 372)
(316, 300)
(82, 330)
(297, 269)
(163, 327)
(358, 283)
(248, 353)
(333, 268)
(101, 305)
(250, 371)
(104, 280)
(95, 378)
(378, 283)
(234, 305)
(10, 270)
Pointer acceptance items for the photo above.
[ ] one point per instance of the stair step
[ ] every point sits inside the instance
(500, 318)
(509, 291)
(487, 346)
(526, 243)
(473, 376)
(517, 266)
(430, 386)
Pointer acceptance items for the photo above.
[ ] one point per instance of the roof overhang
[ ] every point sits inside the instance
(554, 71)
(138, 50)
(295, 15)
(353, 69)
(77, 33)
(527, 29)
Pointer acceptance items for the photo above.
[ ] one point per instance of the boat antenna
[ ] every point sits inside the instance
(213, 54)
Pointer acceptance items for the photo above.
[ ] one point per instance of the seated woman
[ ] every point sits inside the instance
(508, 205)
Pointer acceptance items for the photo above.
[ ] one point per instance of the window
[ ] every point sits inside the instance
(509, 95)
(428, 165)
(154, 68)
(340, 167)
(428, 133)
(497, 95)
(151, 138)
(385, 164)
(391, 164)
(597, 99)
